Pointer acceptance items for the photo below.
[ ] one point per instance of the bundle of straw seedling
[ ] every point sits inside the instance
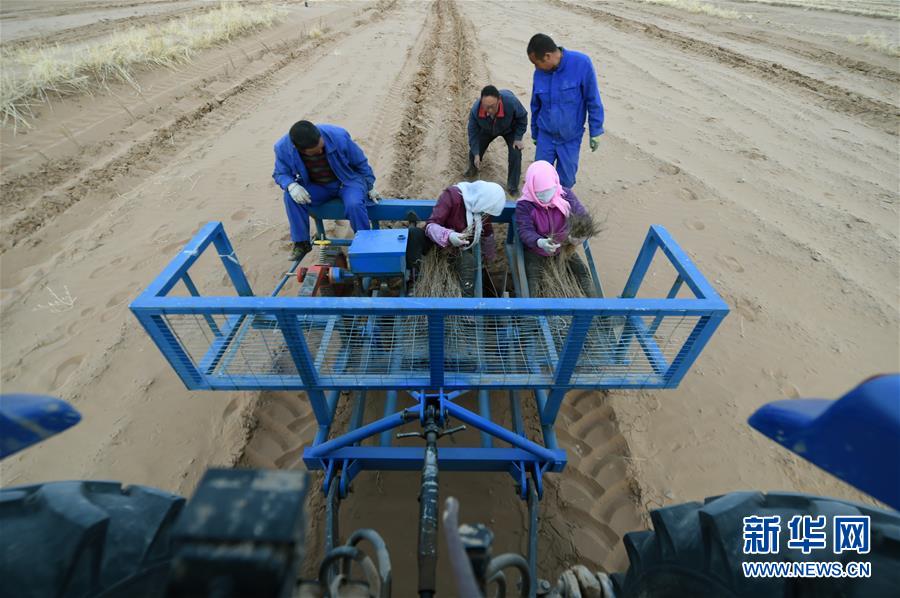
(558, 280)
(557, 277)
(437, 277)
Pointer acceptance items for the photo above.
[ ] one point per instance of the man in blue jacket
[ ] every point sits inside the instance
(564, 93)
(497, 113)
(318, 163)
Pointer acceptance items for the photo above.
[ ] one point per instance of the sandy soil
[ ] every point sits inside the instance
(767, 147)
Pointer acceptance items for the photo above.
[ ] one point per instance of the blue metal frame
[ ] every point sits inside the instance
(229, 318)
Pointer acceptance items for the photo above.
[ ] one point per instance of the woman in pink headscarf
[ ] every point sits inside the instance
(542, 215)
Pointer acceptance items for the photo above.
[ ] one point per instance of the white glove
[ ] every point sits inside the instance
(548, 245)
(458, 239)
(374, 195)
(299, 194)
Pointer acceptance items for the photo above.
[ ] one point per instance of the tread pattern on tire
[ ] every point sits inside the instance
(85, 538)
(697, 549)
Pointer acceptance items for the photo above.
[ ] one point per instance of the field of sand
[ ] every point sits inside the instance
(766, 144)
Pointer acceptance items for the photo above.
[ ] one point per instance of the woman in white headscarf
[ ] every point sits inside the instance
(461, 219)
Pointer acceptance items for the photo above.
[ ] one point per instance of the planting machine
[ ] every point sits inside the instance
(346, 329)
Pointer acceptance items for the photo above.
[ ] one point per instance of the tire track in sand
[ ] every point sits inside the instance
(875, 113)
(432, 133)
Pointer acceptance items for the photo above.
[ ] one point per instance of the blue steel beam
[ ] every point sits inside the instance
(702, 332)
(466, 416)
(578, 330)
(403, 458)
(180, 264)
(396, 210)
(682, 263)
(413, 306)
(395, 420)
(296, 344)
(405, 382)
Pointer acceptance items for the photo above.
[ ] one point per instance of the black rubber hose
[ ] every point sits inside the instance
(381, 554)
(342, 553)
(501, 562)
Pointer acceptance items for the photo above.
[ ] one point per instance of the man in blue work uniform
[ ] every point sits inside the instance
(318, 163)
(564, 92)
(497, 113)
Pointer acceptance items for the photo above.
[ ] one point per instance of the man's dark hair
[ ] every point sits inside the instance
(541, 44)
(490, 90)
(304, 135)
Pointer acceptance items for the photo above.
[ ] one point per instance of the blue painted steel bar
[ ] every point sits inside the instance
(641, 265)
(409, 458)
(510, 264)
(320, 226)
(479, 289)
(286, 277)
(404, 382)
(466, 416)
(515, 410)
(397, 209)
(682, 263)
(673, 292)
(331, 400)
(598, 287)
(296, 344)
(326, 340)
(192, 289)
(484, 409)
(689, 352)
(651, 349)
(232, 265)
(322, 451)
(174, 353)
(391, 306)
(359, 410)
(436, 350)
(550, 436)
(220, 346)
(224, 354)
(520, 269)
(322, 435)
(578, 330)
(180, 264)
(390, 406)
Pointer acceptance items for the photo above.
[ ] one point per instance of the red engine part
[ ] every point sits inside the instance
(313, 279)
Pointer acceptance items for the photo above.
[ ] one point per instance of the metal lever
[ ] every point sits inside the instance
(440, 434)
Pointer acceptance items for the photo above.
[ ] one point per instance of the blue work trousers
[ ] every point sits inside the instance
(563, 155)
(354, 199)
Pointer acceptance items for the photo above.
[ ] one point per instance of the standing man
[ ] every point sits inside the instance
(564, 92)
(497, 113)
(318, 163)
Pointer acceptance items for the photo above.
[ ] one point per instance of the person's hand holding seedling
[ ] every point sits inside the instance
(459, 239)
(548, 245)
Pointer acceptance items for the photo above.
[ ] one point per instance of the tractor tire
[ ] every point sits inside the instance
(86, 538)
(697, 550)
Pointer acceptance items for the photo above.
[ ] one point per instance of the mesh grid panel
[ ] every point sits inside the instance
(504, 351)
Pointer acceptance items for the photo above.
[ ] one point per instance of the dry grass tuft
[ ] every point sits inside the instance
(32, 75)
(876, 41)
(696, 7)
